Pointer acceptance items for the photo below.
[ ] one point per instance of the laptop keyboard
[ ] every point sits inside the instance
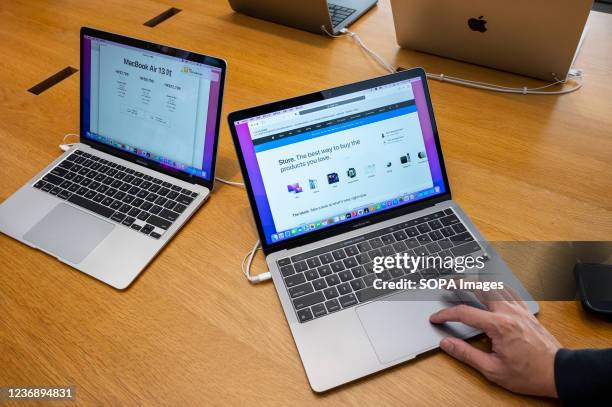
(338, 13)
(342, 275)
(141, 202)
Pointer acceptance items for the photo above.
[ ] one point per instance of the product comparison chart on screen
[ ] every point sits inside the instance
(159, 107)
(327, 162)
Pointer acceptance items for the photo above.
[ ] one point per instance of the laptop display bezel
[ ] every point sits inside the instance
(360, 222)
(166, 50)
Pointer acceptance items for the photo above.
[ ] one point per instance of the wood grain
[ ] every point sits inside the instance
(191, 329)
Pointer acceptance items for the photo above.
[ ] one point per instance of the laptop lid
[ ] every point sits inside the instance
(151, 104)
(325, 163)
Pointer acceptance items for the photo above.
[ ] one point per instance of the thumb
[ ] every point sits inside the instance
(466, 353)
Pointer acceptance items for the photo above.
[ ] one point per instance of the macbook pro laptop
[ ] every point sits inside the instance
(308, 15)
(145, 162)
(540, 39)
(337, 179)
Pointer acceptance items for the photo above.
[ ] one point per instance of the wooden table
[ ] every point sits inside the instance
(191, 329)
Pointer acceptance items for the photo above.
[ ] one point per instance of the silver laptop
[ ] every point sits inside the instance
(144, 164)
(309, 15)
(534, 38)
(337, 179)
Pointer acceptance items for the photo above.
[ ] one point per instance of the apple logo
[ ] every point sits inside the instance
(477, 24)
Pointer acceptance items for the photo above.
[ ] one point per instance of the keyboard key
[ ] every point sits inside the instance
(39, 184)
(294, 280)
(311, 274)
(337, 266)
(155, 209)
(55, 191)
(319, 284)
(357, 284)
(118, 217)
(376, 243)
(53, 179)
(387, 239)
(348, 300)
(128, 221)
(433, 248)
(362, 258)
(330, 293)
(155, 235)
(143, 216)
(459, 228)
(387, 250)
(168, 215)
(436, 235)
(332, 306)
(134, 212)
(450, 220)
(184, 199)
(125, 208)
(345, 275)
(461, 238)
(326, 258)
(423, 239)
(308, 300)
(351, 251)
(358, 271)
(411, 232)
(338, 254)
(435, 224)
(344, 288)
(107, 201)
(370, 293)
(300, 266)
(91, 206)
(63, 194)
(319, 310)
(364, 247)
(116, 205)
(332, 279)
(179, 208)
(400, 247)
(400, 235)
(313, 262)
(287, 270)
(284, 262)
(324, 270)
(304, 315)
(465, 249)
(350, 262)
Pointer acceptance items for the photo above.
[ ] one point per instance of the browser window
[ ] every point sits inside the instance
(342, 158)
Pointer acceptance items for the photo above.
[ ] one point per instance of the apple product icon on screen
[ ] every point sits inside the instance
(332, 178)
(478, 24)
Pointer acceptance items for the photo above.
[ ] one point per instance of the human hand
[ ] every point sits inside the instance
(523, 352)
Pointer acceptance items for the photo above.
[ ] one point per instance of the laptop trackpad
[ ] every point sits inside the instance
(68, 233)
(398, 325)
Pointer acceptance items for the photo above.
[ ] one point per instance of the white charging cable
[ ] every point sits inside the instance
(575, 74)
(67, 146)
(246, 268)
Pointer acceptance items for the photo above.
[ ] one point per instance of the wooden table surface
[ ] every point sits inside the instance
(191, 329)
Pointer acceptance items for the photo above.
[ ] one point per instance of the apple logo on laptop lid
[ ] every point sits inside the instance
(477, 24)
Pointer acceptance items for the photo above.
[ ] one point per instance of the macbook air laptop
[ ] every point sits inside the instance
(540, 39)
(145, 162)
(309, 15)
(337, 179)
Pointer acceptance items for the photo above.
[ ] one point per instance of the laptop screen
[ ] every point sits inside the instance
(340, 159)
(152, 105)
